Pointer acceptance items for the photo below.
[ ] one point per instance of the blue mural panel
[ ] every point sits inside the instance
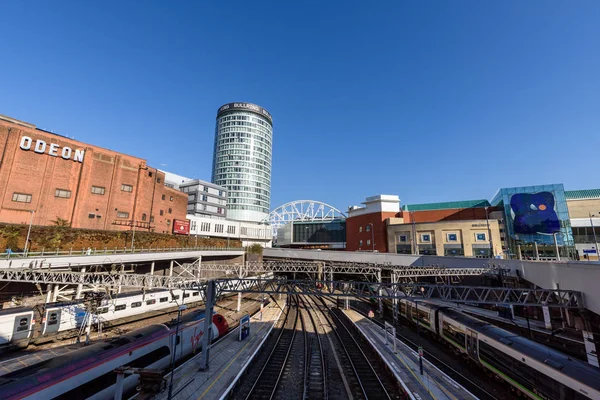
(534, 213)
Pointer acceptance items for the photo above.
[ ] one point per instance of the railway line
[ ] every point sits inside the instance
(269, 377)
(298, 364)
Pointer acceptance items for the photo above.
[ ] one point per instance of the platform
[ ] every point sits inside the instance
(433, 384)
(229, 358)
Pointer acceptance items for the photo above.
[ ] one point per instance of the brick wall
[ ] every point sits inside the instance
(354, 234)
(38, 175)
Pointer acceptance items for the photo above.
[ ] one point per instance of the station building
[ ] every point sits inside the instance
(53, 178)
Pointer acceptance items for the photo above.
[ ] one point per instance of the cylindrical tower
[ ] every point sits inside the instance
(242, 159)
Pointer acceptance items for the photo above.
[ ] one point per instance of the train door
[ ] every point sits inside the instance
(21, 328)
(472, 344)
(52, 321)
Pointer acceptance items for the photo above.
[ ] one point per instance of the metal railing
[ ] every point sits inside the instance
(107, 251)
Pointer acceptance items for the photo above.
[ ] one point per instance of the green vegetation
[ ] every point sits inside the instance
(61, 236)
(254, 249)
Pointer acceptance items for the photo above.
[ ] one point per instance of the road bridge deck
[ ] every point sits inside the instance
(433, 384)
(108, 258)
(229, 358)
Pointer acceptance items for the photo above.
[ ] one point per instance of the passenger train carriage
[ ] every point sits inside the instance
(533, 369)
(89, 372)
(22, 326)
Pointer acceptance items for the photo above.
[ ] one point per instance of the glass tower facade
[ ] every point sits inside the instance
(242, 159)
(536, 215)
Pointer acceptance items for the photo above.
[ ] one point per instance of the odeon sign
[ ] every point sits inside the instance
(53, 149)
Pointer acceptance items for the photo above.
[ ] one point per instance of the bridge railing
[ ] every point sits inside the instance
(106, 251)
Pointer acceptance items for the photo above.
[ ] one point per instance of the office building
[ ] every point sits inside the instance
(242, 159)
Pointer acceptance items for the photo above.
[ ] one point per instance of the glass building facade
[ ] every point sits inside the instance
(320, 232)
(242, 159)
(536, 215)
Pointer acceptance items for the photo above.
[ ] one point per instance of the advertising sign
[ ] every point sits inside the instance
(244, 327)
(181, 226)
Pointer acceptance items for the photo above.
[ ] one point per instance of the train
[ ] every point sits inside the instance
(532, 369)
(89, 371)
(23, 326)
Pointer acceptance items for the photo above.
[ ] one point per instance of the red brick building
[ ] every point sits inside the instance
(366, 228)
(88, 186)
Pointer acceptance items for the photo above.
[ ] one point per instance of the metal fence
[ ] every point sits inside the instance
(116, 250)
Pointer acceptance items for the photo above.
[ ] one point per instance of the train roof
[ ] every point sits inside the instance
(574, 368)
(14, 382)
(15, 310)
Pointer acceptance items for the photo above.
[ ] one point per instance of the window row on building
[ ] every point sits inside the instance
(253, 178)
(233, 154)
(449, 238)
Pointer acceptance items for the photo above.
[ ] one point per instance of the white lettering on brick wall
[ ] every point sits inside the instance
(41, 146)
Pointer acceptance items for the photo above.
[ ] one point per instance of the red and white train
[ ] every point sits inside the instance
(89, 372)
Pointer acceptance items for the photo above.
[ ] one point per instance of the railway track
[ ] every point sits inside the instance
(315, 368)
(365, 377)
(269, 378)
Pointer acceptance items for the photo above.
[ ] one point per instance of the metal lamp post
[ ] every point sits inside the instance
(181, 308)
(594, 233)
(372, 237)
(415, 246)
(420, 349)
(28, 233)
(487, 220)
(132, 234)
(555, 242)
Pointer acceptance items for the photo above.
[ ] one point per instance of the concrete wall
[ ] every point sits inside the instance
(583, 208)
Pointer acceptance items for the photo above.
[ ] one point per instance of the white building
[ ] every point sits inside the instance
(247, 232)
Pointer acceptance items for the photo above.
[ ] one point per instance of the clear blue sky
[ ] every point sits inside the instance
(430, 100)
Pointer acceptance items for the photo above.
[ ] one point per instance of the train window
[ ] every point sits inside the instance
(164, 299)
(101, 310)
(150, 358)
(176, 297)
(136, 304)
(53, 319)
(454, 334)
(23, 324)
(178, 340)
(150, 302)
(120, 307)
(186, 295)
(196, 294)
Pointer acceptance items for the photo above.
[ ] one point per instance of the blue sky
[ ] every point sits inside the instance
(430, 100)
